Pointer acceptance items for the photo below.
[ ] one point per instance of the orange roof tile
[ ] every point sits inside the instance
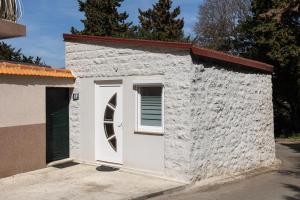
(19, 69)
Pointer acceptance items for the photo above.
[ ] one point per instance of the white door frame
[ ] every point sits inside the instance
(104, 150)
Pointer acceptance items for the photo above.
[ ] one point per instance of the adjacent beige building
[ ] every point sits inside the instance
(23, 114)
(34, 104)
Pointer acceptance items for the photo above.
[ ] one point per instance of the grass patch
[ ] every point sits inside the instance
(295, 137)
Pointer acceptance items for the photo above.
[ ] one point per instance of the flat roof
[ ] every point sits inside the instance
(202, 52)
(21, 69)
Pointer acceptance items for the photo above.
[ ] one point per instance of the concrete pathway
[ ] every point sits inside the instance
(281, 185)
(80, 182)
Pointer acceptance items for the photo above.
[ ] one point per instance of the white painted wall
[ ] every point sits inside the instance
(87, 116)
(140, 151)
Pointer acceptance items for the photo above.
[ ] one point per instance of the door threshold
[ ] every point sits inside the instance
(97, 163)
(59, 162)
(109, 164)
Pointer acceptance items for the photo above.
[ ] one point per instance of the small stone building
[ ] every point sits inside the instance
(168, 108)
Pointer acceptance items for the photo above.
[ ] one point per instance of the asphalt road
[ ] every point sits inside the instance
(283, 184)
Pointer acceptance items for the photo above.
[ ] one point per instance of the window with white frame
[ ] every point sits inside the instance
(150, 109)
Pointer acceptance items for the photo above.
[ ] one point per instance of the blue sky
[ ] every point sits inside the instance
(47, 20)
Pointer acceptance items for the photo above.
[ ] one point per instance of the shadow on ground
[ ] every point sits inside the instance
(294, 189)
(294, 146)
(65, 165)
(103, 168)
(293, 171)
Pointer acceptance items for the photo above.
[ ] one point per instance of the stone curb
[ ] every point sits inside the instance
(162, 192)
(235, 178)
(209, 183)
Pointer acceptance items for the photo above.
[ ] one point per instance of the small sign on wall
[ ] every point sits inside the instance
(75, 96)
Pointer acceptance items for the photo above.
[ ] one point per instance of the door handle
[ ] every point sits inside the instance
(120, 125)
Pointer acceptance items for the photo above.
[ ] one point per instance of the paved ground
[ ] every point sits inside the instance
(80, 182)
(281, 185)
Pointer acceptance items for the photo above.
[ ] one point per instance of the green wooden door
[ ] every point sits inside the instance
(57, 124)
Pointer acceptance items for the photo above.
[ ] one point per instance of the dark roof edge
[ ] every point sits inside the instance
(207, 53)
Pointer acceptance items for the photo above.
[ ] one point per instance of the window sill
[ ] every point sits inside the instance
(149, 133)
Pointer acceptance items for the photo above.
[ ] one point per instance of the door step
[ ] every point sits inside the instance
(60, 162)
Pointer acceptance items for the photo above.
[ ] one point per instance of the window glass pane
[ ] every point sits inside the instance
(113, 143)
(109, 130)
(151, 106)
(113, 101)
(109, 114)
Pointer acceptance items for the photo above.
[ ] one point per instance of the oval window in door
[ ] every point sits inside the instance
(109, 122)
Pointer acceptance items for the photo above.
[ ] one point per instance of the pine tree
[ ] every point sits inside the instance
(161, 22)
(274, 30)
(102, 18)
(272, 35)
(7, 52)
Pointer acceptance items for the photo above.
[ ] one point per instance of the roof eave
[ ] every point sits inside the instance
(21, 69)
(216, 55)
(207, 53)
(137, 42)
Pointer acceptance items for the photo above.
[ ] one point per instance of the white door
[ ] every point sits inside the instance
(108, 114)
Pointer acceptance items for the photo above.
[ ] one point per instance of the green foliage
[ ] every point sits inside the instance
(295, 137)
(272, 35)
(161, 22)
(102, 18)
(7, 52)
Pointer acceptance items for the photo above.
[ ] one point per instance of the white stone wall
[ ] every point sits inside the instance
(177, 117)
(107, 61)
(232, 121)
(218, 121)
(74, 123)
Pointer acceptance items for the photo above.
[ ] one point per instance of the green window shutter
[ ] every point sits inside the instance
(151, 106)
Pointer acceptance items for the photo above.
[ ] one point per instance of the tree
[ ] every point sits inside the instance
(7, 52)
(272, 35)
(161, 22)
(218, 21)
(102, 18)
